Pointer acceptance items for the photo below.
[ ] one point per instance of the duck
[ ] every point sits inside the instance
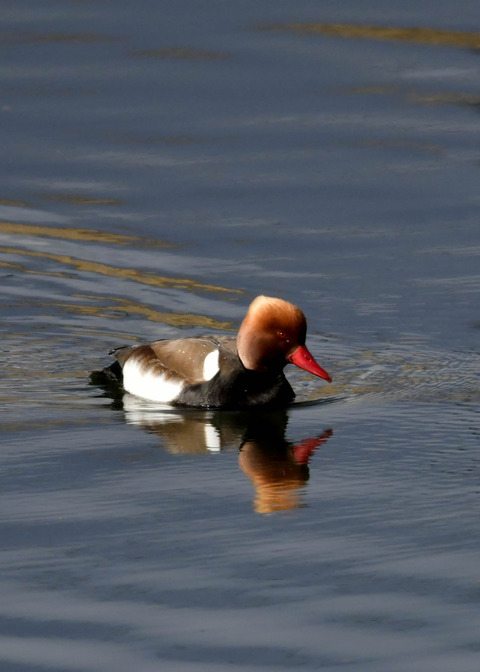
(218, 371)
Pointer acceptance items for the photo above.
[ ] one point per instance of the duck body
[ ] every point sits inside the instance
(222, 371)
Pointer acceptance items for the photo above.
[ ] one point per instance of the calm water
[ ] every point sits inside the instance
(161, 166)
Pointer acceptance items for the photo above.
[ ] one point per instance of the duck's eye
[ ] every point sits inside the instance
(282, 334)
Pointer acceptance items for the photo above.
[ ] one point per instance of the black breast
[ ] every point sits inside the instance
(235, 387)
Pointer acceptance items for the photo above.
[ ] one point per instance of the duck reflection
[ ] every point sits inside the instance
(185, 431)
(278, 468)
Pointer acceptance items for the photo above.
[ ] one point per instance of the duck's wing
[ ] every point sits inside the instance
(192, 360)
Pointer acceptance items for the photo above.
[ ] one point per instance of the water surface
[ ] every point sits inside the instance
(161, 167)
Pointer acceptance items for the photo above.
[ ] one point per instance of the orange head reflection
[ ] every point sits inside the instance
(278, 470)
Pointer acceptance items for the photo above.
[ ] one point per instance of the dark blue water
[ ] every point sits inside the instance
(162, 165)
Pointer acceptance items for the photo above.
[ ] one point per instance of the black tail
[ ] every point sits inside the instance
(110, 375)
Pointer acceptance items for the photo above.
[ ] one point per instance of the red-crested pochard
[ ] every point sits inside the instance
(223, 371)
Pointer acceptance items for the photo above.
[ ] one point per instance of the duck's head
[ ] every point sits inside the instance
(272, 335)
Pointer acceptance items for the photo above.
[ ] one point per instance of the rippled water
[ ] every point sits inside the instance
(161, 167)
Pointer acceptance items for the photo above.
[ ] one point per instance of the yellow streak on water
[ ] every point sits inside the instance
(124, 305)
(67, 233)
(448, 38)
(56, 38)
(416, 97)
(78, 199)
(117, 272)
(19, 267)
(183, 53)
(14, 204)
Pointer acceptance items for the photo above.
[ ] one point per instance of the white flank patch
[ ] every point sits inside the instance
(212, 438)
(148, 385)
(210, 365)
